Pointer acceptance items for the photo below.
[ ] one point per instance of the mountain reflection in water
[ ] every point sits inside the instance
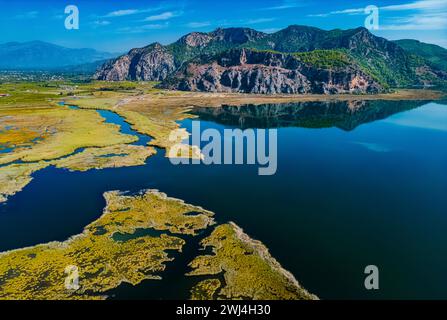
(346, 115)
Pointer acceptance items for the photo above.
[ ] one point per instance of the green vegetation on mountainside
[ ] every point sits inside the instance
(434, 54)
(326, 59)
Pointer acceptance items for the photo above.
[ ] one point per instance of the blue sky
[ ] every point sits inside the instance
(117, 26)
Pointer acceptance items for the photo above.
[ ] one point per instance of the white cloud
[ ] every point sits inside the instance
(164, 16)
(425, 5)
(244, 22)
(28, 15)
(101, 23)
(143, 28)
(120, 13)
(428, 15)
(346, 11)
(287, 4)
(128, 12)
(417, 5)
(197, 24)
(259, 20)
(428, 21)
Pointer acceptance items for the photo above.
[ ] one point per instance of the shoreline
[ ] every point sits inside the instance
(188, 99)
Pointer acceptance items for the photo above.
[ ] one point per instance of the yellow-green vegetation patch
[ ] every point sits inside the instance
(14, 177)
(61, 131)
(129, 101)
(106, 94)
(28, 94)
(135, 87)
(96, 100)
(122, 155)
(206, 289)
(34, 128)
(173, 215)
(41, 94)
(249, 271)
(12, 137)
(47, 271)
(157, 121)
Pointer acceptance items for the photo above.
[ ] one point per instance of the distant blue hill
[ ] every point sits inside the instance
(44, 55)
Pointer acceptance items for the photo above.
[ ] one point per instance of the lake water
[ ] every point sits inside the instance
(357, 184)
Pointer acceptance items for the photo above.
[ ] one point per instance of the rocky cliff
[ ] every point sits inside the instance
(371, 57)
(153, 62)
(264, 72)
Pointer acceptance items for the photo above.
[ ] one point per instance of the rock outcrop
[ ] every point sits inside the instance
(151, 63)
(263, 72)
(155, 62)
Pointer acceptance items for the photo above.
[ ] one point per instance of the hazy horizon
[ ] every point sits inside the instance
(126, 50)
(118, 27)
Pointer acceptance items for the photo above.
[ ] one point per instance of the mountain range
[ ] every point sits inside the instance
(39, 55)
(297, 59)
(436, 55)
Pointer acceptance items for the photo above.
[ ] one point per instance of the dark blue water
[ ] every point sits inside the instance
(353, 188)
(5, 150)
